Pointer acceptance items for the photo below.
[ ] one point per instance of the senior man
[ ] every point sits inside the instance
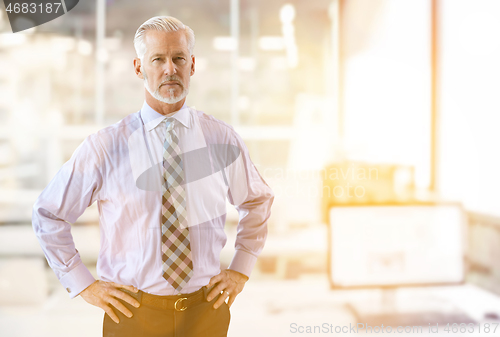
(160, 177)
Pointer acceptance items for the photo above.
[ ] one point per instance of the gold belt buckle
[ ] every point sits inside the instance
(179, 301)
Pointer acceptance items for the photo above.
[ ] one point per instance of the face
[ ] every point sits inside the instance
(167, 66)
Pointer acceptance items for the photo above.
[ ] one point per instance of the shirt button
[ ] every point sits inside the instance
(68, 290)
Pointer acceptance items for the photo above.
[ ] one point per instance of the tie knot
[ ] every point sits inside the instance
(172, 121)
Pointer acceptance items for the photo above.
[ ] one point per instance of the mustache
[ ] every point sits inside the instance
(171, 78)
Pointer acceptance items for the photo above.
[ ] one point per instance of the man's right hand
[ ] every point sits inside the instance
(102, 294)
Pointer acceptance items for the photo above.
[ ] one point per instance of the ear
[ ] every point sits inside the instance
(137, 68)
(192, 65)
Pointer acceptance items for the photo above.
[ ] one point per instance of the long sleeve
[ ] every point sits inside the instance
(75, 187)
(252, 198)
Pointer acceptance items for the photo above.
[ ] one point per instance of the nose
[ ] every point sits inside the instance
(169, 68)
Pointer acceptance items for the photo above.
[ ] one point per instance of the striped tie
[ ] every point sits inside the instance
(176, 249)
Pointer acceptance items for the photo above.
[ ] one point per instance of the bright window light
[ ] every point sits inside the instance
(225, 43)
(272, 43)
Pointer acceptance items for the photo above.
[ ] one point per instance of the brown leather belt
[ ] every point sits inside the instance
(178, 302)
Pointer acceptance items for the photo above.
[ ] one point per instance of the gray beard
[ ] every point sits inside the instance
(156, 94)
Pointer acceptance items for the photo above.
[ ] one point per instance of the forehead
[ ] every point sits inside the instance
(165, 42)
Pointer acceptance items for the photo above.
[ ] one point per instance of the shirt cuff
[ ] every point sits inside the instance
(77, 280)
(243, 262)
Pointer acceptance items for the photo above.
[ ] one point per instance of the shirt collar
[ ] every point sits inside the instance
(152, 118)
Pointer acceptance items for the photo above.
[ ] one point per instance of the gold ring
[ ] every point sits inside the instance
(227, 293)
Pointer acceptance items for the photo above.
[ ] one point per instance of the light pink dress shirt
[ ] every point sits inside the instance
(119, 168)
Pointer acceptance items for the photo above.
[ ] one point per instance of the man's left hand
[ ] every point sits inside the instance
(229, 281)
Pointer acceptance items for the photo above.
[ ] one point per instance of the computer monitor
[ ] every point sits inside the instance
(396, 245)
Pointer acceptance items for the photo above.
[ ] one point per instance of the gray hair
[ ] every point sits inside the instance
(161, 23)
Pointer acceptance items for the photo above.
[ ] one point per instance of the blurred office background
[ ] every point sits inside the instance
(384, 108)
